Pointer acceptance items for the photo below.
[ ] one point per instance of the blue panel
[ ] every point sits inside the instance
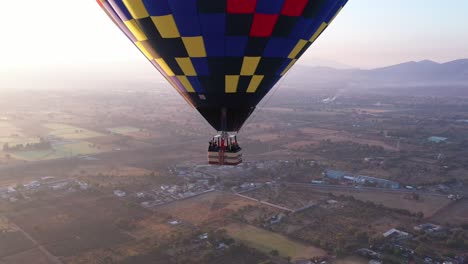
(269, 6)
(120, 9)
(284, 65)
(235, 46)
(195, 83)
(213, 24)
(279, 47)
(335, 9)
(184, 7)
(188, 25)
(157, 7)
(201, 66)
(300, 29)
(214, 46)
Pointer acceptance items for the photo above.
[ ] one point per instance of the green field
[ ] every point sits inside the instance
(267, 241)
(71, 132)
(58, 151)
(13, 141)
(123, 130)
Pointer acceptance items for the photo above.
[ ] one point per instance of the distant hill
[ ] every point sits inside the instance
(422, 73)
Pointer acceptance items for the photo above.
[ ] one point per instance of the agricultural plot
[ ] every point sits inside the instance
(267, 241)
(208, 207)
(71, 132)
(455, 213)
(75, 224)
(134, 132)
(12, 135)
(58, 151)
(26, 257)
(123, 130)
(36, 155)
(427, 204)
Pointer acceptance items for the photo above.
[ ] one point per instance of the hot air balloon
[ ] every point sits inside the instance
(223, 56)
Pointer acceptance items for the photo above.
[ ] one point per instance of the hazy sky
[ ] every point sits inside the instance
(368, 33)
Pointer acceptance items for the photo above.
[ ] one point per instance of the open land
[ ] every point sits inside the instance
(82, 181)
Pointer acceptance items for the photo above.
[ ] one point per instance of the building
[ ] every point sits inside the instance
(335, 175)
(395, 233)
(428, 227)
(119, 193)
(435, 139)
(381, 183)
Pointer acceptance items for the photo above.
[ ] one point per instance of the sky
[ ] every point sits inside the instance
(58, 34)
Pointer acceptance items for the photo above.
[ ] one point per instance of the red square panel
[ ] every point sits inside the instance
(294, 7)
(263, 25)
(241, 6)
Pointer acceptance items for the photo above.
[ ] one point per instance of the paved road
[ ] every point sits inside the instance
(360, 189)
(265, 203)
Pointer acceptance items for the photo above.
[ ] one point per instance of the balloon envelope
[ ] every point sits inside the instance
(223, 56)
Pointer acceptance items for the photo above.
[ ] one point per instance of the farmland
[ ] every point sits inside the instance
(267, 241)
(428, 204)
(205, 208)
(58, 151)
(455, 214)
(71, 132)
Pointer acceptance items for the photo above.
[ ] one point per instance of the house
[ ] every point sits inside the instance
(428, 227)
(119, 193)
(203, 236)
(334, 175)
(174, 222)
(276, 219)
(395, 233)
(381, 183)
(435, 139)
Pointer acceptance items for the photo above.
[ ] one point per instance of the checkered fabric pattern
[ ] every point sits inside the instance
(222, 53)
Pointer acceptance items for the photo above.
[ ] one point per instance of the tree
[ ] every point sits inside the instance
(274, 252)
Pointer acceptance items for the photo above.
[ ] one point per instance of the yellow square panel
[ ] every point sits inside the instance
(289, 67)
(195, 46)
(318, 32)
(135, 29)
(231, 83)
(254, 83)
(300, 45)
(144, 50)
(136, 8)
(164, 67)
(166, 26)
(186, 83)
(249, 65)
(186, 66)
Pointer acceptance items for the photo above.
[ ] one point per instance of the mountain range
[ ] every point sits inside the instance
(421, 73)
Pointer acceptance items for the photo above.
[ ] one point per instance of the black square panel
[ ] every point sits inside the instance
(269, 66)
(172, 63)
(150, 48)
(238, 24)
(147, 26)
(170, 47)
(313, 8)
(285, 26)
(255, 46)
(212, 6)
(216, 66)
(213, 84)
(233, 65)
(243, 84)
